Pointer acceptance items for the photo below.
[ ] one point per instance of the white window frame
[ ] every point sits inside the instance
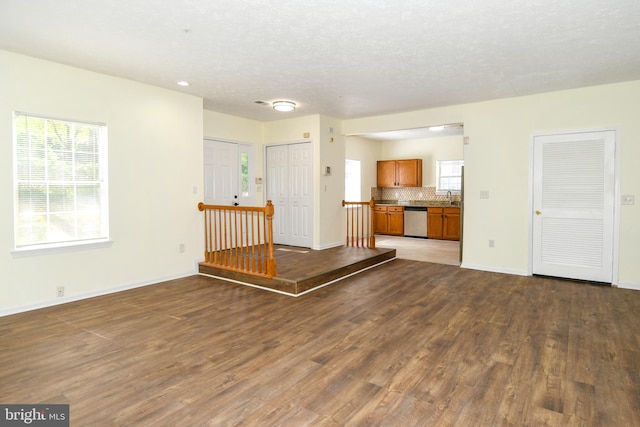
(58, 242)
(442, 178)
(247, 198)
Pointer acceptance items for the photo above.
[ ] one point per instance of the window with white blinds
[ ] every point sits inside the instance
(59, 182)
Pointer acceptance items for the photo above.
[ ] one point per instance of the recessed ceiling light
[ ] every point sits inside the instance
(436, 128)
(183, 83)
(284, 106)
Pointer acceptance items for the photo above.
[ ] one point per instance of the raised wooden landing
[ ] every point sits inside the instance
(300, 270)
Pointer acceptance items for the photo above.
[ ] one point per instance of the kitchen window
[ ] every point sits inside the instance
(60, 182)
(449, 176)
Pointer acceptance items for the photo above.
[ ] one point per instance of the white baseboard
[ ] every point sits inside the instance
(628, 285)
(494, 269)
(328, 246)
(621, 285)
(92, 294)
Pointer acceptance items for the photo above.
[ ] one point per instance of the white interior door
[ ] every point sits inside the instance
(573, 202)
(278, 191)
(220, 172)
(300, 200)
(289, 187)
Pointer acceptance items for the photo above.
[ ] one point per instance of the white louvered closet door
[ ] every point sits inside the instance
(574, 182)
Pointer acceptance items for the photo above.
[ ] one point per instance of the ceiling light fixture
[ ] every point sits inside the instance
(284, 106)
(436, 128)
(183, 83)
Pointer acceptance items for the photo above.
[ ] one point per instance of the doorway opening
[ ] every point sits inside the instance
(433, 145)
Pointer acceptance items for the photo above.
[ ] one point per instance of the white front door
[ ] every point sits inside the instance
(289, 187)
(573, 204)
(220, 172)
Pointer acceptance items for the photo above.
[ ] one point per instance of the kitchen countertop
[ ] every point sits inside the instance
(427, 203)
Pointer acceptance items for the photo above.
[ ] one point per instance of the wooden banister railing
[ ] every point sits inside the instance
(360, 224)
(239, 238)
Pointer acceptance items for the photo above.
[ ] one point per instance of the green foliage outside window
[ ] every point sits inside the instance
(59, 185)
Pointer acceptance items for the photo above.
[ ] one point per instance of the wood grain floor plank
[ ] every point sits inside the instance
(408, 343)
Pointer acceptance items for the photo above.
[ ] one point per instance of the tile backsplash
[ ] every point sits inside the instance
(409, 193)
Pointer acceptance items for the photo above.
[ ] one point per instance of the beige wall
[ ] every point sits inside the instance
(229, 128)
(155, 139)
(328, 190)
(331, 226)
(497, 160)
(155, 161)
(429, 150)
(368, 152)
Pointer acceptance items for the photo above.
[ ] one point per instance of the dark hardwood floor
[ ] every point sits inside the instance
(404, 344)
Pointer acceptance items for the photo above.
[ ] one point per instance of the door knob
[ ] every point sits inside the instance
(538, 212)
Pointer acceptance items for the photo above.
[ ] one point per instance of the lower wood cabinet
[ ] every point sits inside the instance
(388, 220)
(443, 223)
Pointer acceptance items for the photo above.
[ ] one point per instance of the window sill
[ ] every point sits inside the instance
(61, 248)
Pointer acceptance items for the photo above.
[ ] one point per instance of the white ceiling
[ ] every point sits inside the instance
(340, 58)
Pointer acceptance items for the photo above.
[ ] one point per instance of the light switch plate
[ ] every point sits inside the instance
(484, 194)
(628, 199)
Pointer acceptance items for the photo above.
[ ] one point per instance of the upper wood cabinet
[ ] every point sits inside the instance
(400, 173)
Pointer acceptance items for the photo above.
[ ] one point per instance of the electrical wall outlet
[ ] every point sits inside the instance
(484, 194)
(628, 199)
(492, 243)
(60, 291)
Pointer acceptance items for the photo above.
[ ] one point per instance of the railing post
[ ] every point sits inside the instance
(346, 234)
(372, 236)
(271, 262)
(206, 231)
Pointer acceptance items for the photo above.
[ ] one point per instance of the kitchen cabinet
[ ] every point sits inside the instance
(400, 173)
(443, 223)
(388, 220)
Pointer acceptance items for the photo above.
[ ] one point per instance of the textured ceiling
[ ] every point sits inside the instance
(340, 58)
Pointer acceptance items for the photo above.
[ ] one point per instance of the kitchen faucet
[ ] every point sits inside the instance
(449, 197)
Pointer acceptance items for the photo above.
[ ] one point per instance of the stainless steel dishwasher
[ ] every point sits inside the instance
(415, 221)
